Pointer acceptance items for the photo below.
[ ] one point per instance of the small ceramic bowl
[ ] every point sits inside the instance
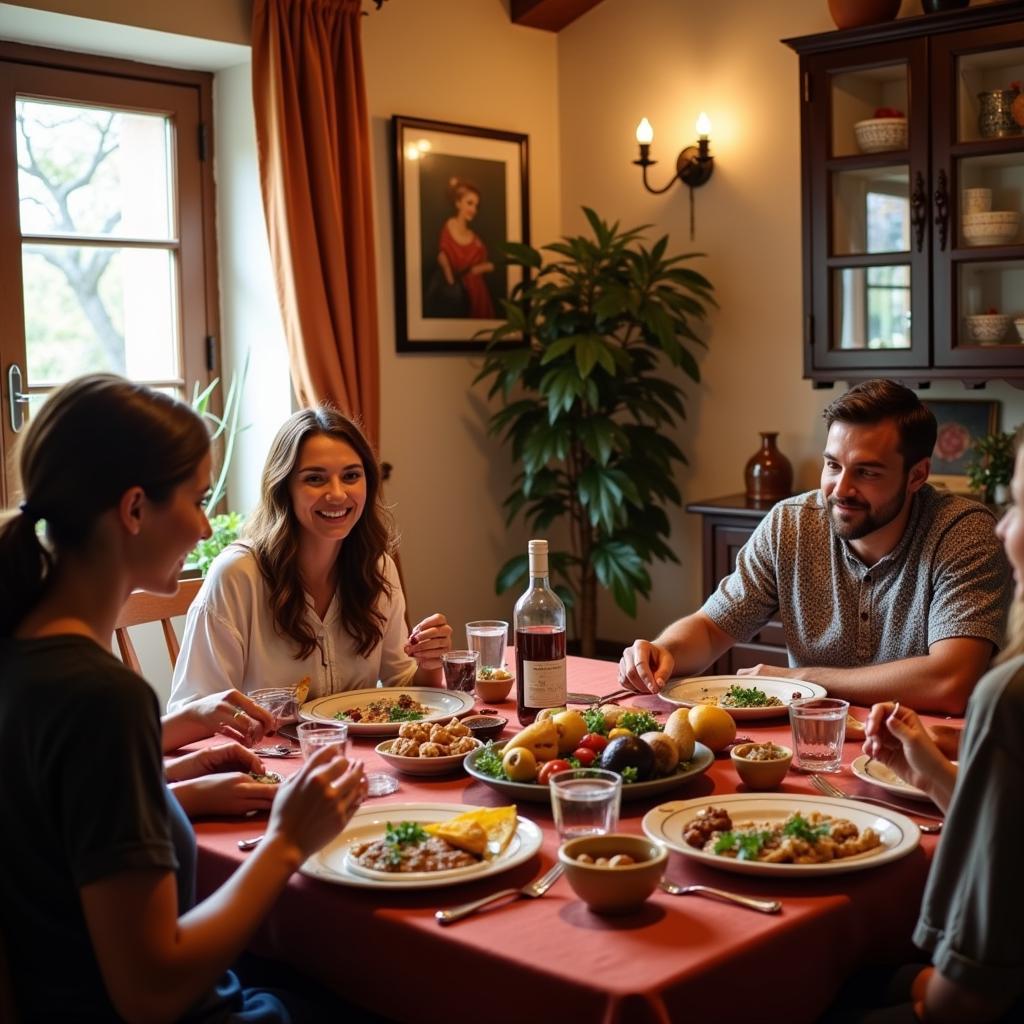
(881, 134)
(613, 890)
(486, 727)
(987, 327)
(760, 774)
(493, 691)
(976, 200)
(423, 765)
(993, 227)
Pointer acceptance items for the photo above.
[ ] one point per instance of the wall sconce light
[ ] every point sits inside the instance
(694, 165)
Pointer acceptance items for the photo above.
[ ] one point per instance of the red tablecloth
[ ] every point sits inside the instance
(679, 958)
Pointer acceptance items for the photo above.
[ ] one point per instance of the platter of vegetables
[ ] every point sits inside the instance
(651, 757)
(744, 697)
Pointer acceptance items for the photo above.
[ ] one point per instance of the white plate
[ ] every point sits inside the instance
(899, 834)
(424, 765)
(881, 775)
(332, 863)
(697, 765)
(687, 693)
(443, 704)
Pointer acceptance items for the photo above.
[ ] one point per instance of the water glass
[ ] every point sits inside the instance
(489, 637)
(280, 701)
(460, 669)
(585, 801)
(819, 728)
(314, 735)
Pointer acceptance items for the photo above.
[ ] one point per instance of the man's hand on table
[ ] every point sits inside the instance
(779, 671)
(645, 667)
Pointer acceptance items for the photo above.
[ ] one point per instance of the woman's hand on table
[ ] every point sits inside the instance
(216, 780)
(317, 802)
(231, 713)
(428, 640)
(645, 667)
(896, 736)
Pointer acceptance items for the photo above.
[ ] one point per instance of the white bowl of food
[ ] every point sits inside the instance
(427, 757)
(881, 134)
(988, 328)
(990, 227)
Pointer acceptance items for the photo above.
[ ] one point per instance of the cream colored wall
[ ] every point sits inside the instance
(459, 61)
(225, 20)
(668, 60)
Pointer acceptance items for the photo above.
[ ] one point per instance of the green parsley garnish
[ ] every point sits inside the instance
(594, 717)
(397, 714)
(751, 697)
(747, 844)
(488, 761)
(342, 716)
(402, 834)
(638, 722)
(800, 828)
(628, 774)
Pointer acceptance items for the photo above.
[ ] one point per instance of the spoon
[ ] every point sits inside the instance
(764, 906)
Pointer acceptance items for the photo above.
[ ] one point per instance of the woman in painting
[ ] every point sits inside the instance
(462, 255)
(312, 592)
(97, 895)
(973, 903)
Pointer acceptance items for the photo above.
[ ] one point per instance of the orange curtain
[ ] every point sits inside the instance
(314, 150)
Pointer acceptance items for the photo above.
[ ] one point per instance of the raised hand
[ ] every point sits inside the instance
(428, 640)
(645, 667)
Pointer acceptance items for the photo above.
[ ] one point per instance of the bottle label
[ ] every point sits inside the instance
(544, 683)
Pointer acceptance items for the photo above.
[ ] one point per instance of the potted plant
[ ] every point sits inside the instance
(991, 466)
(588, 405)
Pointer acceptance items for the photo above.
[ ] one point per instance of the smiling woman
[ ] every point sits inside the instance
(312, 590)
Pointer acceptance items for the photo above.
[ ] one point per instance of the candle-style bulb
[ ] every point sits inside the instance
(703, 125)
(644, 133)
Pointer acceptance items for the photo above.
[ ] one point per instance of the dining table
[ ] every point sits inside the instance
(553, 959)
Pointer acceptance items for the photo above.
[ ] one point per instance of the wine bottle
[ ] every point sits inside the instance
(540, 641)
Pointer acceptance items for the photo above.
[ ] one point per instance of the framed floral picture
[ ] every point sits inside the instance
(460, 193)
(961, 423)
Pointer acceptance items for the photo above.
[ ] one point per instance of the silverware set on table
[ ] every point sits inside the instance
(829, 788)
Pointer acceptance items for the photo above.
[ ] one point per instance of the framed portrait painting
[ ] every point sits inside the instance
(961, 423)
(460, 193)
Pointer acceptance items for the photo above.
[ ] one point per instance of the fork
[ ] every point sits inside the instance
(830, 789)
(533, 890)
(764, 906)
(277, 750)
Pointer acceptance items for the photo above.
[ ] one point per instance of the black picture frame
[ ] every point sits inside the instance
(436, 165)
(961, 422)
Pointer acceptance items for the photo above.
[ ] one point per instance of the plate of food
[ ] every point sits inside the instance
(381, 711)
(482, 764)
(429, 748)
(867, 769)
(424, 845)
(744, 697)
(767, 834)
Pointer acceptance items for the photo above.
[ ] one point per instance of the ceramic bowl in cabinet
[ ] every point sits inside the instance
(881, 134)
(990, 227)
(987, 327)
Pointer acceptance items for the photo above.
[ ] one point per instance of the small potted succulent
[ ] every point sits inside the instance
(991, 466)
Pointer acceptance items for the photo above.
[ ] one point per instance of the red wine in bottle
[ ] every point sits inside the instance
(540, 641)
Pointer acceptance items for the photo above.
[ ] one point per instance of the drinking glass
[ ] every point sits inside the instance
(280, 701)
(490, 638)
(314, 735)
(460, 669)
(585, 801)
(819, 728)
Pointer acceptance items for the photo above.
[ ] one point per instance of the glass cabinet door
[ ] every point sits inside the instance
(869, 225)
(978, 259)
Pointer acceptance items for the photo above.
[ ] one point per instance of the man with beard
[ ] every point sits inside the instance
(886, 588)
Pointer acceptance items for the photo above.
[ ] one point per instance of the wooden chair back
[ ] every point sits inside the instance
(142, 607)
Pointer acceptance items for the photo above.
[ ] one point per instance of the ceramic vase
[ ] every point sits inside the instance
(854, 13)
(769, 475)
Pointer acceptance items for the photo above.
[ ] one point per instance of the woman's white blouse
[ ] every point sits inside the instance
(230, 639)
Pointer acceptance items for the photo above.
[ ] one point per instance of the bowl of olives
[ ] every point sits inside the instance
(613, 873)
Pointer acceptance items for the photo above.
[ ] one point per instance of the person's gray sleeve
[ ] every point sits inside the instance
(748, 598)
(971, 585)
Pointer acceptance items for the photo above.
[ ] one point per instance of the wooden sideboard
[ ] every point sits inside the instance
(727, 523)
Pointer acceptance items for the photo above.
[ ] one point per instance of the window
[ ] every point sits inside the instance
(107, 258)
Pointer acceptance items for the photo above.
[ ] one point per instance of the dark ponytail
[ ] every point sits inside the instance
(92, 440)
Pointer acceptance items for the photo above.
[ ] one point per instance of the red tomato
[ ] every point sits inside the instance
(585, 756)
(595, 741)
(549, 768)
